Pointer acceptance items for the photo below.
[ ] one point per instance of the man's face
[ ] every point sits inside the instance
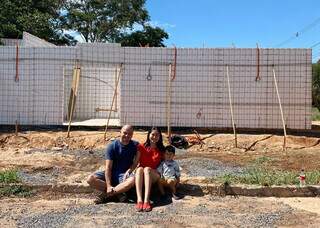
(126, 135)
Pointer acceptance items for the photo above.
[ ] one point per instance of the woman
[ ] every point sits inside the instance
(151, 153)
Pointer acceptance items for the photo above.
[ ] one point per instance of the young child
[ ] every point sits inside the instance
(170, 173)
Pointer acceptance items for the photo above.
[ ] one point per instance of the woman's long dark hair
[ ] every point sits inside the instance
(159, 144)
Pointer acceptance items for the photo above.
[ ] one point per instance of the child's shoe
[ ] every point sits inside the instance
(176, 196)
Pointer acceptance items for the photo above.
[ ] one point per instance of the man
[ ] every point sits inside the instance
(121, 158)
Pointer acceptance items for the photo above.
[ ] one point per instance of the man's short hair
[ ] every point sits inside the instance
(128, 126)
(170, 149)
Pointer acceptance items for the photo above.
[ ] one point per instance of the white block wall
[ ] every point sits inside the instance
(33, 41)
(99, 63)
(37, 98)
(200, 94)
(199, 91)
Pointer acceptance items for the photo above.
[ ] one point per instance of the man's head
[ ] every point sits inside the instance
(169, 153)
(126, 134)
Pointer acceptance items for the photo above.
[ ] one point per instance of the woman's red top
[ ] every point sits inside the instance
(149, 157)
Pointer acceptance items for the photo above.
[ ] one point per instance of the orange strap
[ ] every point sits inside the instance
(17, 63)
(258, 64)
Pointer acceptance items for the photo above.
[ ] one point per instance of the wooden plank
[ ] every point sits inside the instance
(281, 111)
(73, 95)
(113, 98)
(231, 109)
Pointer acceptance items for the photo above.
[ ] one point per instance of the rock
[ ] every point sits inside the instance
(56, 148)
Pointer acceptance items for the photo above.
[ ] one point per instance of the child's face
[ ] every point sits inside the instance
(168, 156)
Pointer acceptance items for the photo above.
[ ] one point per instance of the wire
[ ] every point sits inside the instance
(316, 44)
(300, 32)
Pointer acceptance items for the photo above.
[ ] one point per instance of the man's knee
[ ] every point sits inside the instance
(130, 182)
(91, 179)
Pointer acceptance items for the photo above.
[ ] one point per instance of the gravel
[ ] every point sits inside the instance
(39, 178)
(206, 167)
(205, 211)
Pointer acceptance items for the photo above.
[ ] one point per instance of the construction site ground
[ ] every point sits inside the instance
(49, 157)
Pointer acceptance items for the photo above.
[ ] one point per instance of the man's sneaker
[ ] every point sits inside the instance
(122, 197)
(101, 198)
(176, 196)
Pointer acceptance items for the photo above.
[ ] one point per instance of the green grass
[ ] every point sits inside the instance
(9, 176)
(258, 174)
(315, 114)
(12, 177)
(15, 191)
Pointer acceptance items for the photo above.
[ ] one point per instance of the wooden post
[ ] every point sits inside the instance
(281, 112)
(169, 101)
(17, 128)
(73, 95)
(113, 99)
(231, 110)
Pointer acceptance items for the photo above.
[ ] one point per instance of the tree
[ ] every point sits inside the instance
(103, 20)
(38, 17)
(149, 36)
(316, 84)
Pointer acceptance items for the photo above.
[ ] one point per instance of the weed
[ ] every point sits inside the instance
(9, 176)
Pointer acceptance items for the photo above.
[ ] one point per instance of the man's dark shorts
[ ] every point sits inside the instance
(115, 180)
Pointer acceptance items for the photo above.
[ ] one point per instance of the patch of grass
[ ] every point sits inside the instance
(258, 174)
(315, 114)
(9, 176)
(17, 190)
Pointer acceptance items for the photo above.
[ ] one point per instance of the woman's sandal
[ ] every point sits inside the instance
(147, 207)
(139, 206)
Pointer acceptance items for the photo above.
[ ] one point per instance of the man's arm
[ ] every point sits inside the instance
(134, 165)
(108, 175)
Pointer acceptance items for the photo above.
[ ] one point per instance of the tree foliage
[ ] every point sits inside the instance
(149, 36)
(38, 17)
(316, 84)
(103, 20)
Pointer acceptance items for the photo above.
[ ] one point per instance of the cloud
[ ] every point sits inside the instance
(161, 25)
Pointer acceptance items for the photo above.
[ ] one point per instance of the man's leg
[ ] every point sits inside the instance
(124, 186)
(97, 181)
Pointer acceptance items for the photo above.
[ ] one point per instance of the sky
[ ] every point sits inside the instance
(239, 23)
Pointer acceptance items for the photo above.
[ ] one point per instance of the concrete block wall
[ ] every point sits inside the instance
(99, 63)
(37, 97)
(30, 40)
(11, 42)
(199, 96)
(200, 93)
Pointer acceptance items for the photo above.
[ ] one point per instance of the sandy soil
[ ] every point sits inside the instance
(49, 156)
(21, 150)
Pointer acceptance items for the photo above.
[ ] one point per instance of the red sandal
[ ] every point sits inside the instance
(139, 206)
(147, 207)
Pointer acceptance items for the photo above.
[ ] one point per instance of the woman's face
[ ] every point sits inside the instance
(154, 136)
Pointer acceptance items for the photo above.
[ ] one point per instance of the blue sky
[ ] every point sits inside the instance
(242, 23)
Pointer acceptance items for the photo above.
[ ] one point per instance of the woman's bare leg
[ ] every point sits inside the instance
(139, 182)
(150, 176)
